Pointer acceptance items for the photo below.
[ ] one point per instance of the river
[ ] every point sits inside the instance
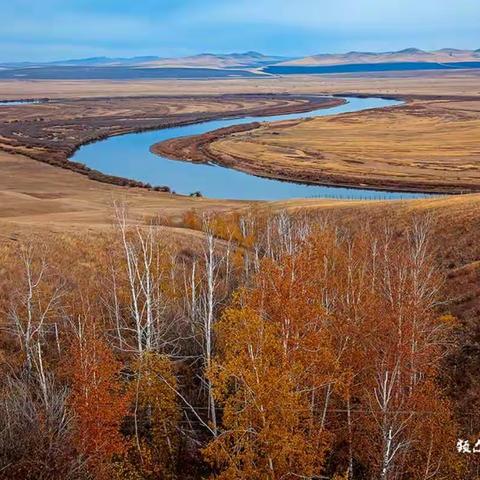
(129, 156)
(8, 103)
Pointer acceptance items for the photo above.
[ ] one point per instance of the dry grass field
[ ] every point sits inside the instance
(36, 197)
(52, 131)
(445, 83)
(425, 145)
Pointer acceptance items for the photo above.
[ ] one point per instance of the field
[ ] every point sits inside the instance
(443, 83)
(52, 131)
(426, 145)
(43, 197)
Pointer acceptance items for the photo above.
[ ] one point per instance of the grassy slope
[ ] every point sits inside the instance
(36, 197)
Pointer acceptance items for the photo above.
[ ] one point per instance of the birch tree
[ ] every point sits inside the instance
(34, 303)
(139, 312)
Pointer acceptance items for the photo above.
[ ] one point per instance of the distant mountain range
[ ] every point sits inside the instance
(247, 63)
(211, 60)
(444, 55)
(92, 61)
(203, 60)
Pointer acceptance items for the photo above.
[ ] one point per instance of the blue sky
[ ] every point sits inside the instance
(59, 29)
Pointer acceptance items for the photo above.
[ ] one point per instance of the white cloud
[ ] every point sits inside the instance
(174, 27)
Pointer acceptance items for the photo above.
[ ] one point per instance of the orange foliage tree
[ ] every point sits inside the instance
(352, 318)
(98, 398)
(153, 439)
(267, 429)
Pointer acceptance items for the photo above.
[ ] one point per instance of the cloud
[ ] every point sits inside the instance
(174, 27)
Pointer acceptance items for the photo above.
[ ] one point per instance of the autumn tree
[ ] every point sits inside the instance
(98, 398)
(124, 356)
(155, 414)
(33, 304)
(266, 429)
(36, 430)
(354, 313)
(139, 289)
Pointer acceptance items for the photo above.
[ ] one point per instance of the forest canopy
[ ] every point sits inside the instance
(273, 346)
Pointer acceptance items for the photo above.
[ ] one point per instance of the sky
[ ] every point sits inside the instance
(40, 30)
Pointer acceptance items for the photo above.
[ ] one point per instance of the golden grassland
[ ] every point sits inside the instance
(38, 197)
(50, 132)
(425, 145)
(35, 197)
(458, 82)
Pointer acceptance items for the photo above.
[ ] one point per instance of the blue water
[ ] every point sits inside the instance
(128, 156)
(18, 102)
(81, 72)
(365, 67)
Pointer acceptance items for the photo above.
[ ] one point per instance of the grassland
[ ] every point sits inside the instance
(431, 146)
(39, 197)
(438, 83)
(50, 132)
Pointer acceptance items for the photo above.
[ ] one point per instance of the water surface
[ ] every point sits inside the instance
(365, 67)
(54, 72)
(6, 103)
(128, 156)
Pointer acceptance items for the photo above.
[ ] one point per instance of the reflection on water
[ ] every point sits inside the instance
(129, 156)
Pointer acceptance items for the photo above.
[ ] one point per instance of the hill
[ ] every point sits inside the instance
(256, 60)
(211, 60)
(444, 55)
(203, 60)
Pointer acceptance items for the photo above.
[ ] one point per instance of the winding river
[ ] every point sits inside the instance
(129, 156)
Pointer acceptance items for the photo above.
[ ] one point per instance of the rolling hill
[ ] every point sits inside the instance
(249, 63)
(210, 60)
(203, 60)
(444, 55)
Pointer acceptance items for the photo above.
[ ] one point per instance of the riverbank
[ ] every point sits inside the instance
(129, 156)
(51, 132)
(37, 199)
(430, 145)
